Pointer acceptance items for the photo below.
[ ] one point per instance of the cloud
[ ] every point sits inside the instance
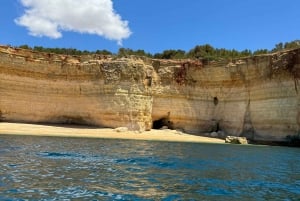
(50, 17)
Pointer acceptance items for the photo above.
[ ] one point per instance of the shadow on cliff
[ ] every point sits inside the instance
(77, 126)
(70, 122)
(62, 125)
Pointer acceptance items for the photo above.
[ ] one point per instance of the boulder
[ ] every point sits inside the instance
(214, 134)
(164, 128)
(121, 129)
(236, 140)
(221, 134)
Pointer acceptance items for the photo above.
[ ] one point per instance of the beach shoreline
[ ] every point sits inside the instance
(101, 133)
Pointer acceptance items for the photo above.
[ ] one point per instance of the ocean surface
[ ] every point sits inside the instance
(51, 168)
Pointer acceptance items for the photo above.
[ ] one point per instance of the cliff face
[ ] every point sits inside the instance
(255, 97)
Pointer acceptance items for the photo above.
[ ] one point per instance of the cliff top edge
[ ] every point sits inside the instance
(37, 56)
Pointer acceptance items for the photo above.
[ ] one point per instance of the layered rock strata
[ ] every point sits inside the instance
(254, 97)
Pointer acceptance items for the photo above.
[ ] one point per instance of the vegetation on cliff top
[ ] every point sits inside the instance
(204, 52)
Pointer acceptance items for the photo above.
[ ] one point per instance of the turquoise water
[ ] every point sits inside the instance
(49, 168)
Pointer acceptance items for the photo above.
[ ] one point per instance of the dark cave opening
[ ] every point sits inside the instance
(216, 101)
(162, 122)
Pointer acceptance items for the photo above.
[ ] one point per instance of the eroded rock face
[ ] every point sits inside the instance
(255, 97)
(236, 140)
(102, 92)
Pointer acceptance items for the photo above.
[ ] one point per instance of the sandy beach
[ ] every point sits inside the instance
(105, 133)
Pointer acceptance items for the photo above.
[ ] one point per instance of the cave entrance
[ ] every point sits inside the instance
(161, 123)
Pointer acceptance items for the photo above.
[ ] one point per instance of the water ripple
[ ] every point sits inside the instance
(41, 168)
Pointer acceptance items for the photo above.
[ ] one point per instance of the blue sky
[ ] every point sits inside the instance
(151, 25)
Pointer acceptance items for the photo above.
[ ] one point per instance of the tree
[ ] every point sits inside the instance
(25, 47)
(245, 53)
(278, 47)
(171, 54)
(103, 52)
(123, 52)
(260, 51)
(292, 44)
(204, 52)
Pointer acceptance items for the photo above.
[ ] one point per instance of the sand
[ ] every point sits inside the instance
(104, 133)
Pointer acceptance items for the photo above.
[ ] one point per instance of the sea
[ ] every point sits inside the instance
(57, 168)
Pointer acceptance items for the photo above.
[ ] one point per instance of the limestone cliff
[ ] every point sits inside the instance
(255, 97)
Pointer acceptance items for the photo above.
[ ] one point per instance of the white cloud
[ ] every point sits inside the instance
(50, 17)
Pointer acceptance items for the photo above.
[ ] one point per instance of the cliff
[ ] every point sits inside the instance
(255, 97)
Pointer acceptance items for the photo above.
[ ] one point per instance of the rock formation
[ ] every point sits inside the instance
(236, 140)
(255, 97)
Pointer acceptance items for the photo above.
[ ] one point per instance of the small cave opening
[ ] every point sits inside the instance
(216, 101)
(162, 122)
(73, 120)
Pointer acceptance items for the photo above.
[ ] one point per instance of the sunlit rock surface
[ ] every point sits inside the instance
(253, 97)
